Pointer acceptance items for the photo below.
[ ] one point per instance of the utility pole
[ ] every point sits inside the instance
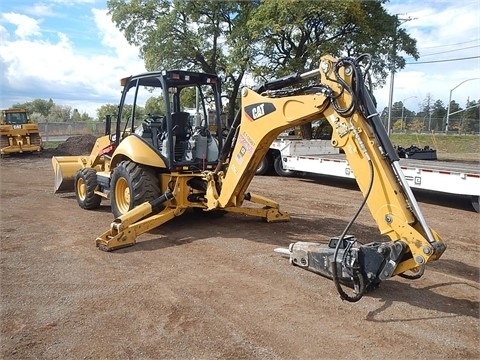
(398, 22)
(450, 102)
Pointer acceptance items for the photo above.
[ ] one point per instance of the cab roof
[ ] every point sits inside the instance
(177, 78)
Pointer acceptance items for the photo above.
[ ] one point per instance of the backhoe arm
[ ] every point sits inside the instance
(343, 99)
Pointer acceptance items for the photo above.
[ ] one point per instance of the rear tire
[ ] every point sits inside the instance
(278, 166)
(85, 185)
(131, 185)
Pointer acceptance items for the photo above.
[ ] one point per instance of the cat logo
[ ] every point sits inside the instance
(256, 111)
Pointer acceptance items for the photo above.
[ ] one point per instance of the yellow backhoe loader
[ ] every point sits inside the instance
(18, 134)
(162, 179)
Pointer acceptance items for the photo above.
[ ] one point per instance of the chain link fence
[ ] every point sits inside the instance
(50, 131)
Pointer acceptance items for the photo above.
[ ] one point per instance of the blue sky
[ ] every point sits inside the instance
(70, 51)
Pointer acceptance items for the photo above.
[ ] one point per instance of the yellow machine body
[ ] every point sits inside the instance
(341, 97)
(18, 134)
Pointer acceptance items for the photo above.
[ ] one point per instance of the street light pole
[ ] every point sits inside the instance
(450, 101)
(403, 107)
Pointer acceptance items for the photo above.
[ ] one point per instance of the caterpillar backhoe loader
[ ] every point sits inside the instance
(18, 134)
(337, 91)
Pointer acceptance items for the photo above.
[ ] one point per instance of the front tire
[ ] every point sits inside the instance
(131, 185)
(85, 186)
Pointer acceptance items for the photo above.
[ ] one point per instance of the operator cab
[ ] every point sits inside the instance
(157, 108)
(15, 117)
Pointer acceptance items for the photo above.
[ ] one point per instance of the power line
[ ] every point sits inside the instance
(447, 51)
(445, 60)
(460, 43)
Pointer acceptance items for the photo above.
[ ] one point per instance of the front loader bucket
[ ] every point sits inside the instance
(65, 168)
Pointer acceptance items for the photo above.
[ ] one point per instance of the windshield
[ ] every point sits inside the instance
(16, 118)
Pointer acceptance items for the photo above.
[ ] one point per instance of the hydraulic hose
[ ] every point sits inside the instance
(359, 95)
(335, 276)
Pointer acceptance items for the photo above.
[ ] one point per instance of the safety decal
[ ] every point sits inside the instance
(247, 147)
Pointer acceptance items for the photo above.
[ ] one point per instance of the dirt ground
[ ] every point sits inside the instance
(198, 289)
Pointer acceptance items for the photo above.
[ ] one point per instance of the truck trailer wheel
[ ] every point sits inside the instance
(264, 166)
(131, 185)
(85, 185)
(476, 203)
(278, 166)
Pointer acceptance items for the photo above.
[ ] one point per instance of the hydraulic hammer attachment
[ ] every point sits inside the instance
(358, 267)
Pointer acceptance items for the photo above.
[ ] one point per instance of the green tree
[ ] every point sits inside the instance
(85, 117)
(454, 116)
(292, 35)
(439, 112)
(204, 35)
(416, 124)
(267, 38)
(38, 108)
(76, 115)
(471, 117)
(107, 109)
(396, 116)
(155, 106)
(59, 113)
(424, 117)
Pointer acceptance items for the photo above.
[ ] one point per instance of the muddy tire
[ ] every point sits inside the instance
(131, 185)
(85, 185)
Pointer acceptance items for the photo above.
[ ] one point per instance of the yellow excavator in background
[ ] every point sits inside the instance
(18, 134)
(213, 176)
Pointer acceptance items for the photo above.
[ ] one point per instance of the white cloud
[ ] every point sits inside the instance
(111, 37)
(50, 67)
(41, 60)
(26, 26)
(443, 30)
(72, 2)
(40, 9)
(3, 34)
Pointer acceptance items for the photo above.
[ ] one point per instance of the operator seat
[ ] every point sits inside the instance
(182, 131)
(156, 129)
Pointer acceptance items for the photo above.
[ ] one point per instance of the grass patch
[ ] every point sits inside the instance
(51, 144)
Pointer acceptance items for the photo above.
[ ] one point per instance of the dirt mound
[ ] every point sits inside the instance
(73, 146)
